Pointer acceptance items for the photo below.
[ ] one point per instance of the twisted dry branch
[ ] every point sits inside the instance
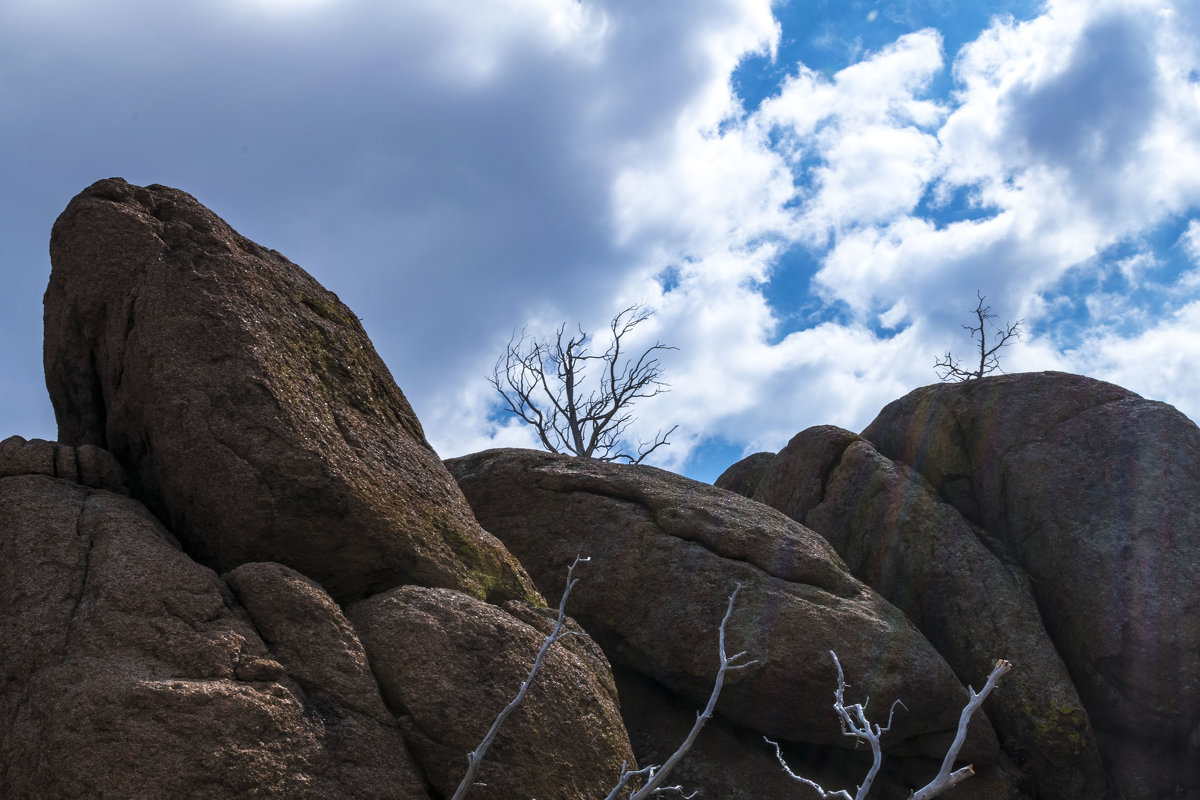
(855, 724)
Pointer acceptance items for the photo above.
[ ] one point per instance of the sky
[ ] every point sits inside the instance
(808, 195)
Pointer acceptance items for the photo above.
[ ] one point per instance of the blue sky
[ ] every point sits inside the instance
(808, 194)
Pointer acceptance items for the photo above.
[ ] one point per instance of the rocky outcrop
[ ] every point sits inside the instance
(666, 552)
(1048, 518)
(247, 404)
(247, 409)
(131, 671)
(1091, 491)
(448, 663)
(920, 554)
(243, 572)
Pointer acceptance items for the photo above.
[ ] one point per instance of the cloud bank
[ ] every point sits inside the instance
(459, 171)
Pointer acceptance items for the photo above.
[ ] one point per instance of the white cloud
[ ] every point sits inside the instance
(456, 171)
(1190, 241)
(711, 192)
(1159, 362)
(845, 162)
(829, 374)
(1135, 267)
(1088, 96)
(862, 138)
(1070, 133)
(873, 175)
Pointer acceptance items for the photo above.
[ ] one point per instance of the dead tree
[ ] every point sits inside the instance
(855, 724)
(475, 757)
(543, 383)
(949, 369)
(656, 775)
(853, 720)
(651, 777)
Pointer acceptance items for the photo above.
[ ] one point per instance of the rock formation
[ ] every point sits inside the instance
(243, 572)
(666, 550)
(1091, 491)
(247, 403)
(1048, 516)
(130, 670)
(921, 555)
(221, 412)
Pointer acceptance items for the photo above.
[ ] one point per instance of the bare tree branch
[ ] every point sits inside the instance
(542, 382)
(853, 719)
(656, 775)
(949, 368)
(855, 724)
(945, 778)
(475, 757)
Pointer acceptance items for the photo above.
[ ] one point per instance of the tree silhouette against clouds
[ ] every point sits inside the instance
(542, 382)
(949, 369)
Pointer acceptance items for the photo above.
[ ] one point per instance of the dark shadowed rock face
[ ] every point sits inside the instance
(920, 554)
(129, 670)
(1091, 491)
(449, 663)
(666, 553)
(247, 404)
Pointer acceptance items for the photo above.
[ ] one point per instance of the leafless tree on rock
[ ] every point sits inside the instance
(949, 369)
(544, 383)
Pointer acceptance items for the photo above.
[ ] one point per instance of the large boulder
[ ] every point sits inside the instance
(448, 664)
(131, 671)
(666, 554)
(247, 404)
(918, 552)
(1091, 491)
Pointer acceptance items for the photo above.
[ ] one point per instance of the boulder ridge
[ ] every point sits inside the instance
(244, 572)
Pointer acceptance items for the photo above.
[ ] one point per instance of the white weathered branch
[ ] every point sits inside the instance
(657, 775)
(854, 723)
(945, 778)
(475, 757)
